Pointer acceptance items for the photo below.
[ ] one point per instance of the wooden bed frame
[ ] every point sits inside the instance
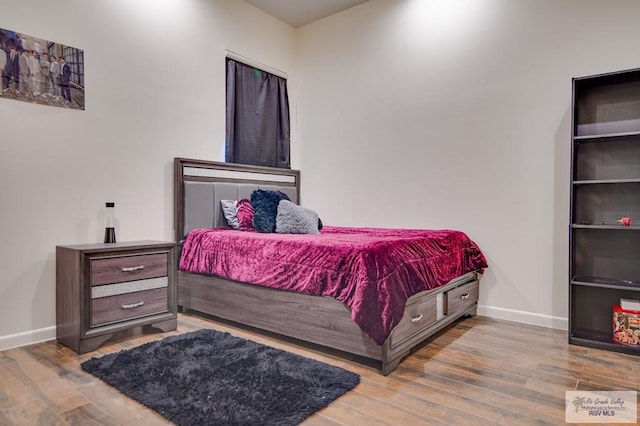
(199, 186)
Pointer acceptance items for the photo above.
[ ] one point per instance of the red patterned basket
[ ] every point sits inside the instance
(626, 326)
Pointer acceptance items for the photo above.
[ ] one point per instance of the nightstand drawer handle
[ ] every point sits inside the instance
(132, 268)
(132, 305)
(416, 319)
(464, 296)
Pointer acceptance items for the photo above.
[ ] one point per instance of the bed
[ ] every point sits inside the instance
(315, 318)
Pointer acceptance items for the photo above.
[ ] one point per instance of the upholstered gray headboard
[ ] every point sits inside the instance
(200, 185)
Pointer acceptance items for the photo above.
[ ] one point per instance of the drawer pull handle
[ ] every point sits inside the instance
(416, 319)
(133, 305)
(132, 268)
(464, 296)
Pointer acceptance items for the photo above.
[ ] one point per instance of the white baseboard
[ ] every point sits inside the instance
(27, 338)
(49, 333)
(531, 318)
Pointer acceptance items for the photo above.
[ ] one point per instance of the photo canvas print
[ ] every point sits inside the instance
(40, 71)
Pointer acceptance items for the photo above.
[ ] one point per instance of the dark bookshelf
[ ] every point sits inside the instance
(605, 186)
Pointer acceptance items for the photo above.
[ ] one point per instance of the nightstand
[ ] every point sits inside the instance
(105, 288)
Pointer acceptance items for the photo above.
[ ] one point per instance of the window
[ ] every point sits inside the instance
(75, 59)
(257, 121)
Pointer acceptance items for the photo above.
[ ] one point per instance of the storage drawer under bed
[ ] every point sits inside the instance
(428, 310)
(417, 315)
(460, 298)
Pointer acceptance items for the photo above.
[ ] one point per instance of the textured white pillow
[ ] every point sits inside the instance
(294, 219)
(230, 213)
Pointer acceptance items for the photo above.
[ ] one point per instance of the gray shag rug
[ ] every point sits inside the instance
(208, 377)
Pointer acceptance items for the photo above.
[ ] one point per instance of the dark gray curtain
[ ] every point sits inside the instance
(257, 126)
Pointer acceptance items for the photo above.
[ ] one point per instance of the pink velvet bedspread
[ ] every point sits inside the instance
(373, 271)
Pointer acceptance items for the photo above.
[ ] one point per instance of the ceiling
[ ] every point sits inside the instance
(300, 12)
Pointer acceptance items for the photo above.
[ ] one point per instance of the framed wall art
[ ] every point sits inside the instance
(40, 71)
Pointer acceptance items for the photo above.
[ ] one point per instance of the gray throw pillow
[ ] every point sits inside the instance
(295, 219)
(230, 214)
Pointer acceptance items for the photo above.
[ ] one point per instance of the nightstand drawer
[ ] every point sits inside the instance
(460, 298)
(128, 268)
(129, 305)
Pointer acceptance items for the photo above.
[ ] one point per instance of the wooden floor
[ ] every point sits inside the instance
(479, 371)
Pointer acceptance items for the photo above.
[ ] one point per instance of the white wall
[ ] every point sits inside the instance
(405, 113)
(154, 90)
(456, 114)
